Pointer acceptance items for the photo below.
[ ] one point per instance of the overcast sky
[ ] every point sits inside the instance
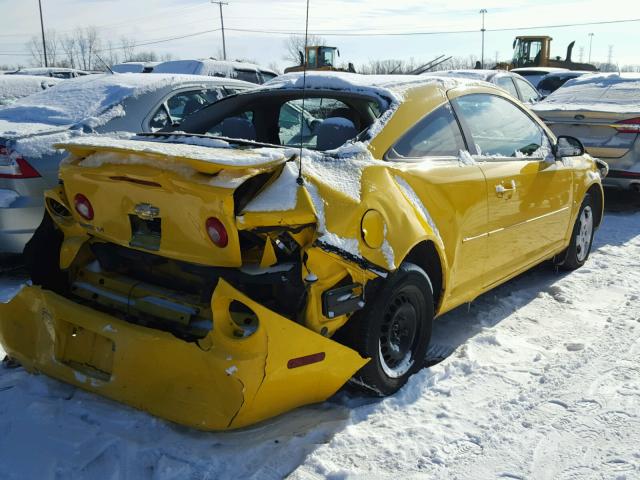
(150, 20)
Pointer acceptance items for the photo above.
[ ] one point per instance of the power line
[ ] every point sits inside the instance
(336, 33)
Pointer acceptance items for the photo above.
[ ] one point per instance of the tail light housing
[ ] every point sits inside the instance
(15, 166)
(631, 125)
(217, 232)
(83, 206)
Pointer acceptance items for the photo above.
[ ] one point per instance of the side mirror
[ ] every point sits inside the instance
(568, 147)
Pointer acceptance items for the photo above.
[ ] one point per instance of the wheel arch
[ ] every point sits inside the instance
(425, 255)
(597, 193)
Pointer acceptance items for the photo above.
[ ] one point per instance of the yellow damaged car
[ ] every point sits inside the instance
(291, 239)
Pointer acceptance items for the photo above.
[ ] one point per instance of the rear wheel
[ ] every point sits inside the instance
(394, 331)
(581, 237)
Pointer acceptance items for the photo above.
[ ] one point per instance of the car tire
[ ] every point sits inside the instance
(394, 331)
(42, 256)
(581, 237)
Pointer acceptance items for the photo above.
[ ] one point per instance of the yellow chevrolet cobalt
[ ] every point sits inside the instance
(290, 239)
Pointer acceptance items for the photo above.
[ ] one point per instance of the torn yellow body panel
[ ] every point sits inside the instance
(217, 383)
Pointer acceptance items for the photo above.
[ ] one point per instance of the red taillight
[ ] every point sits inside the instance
(83, 206)
(628, 126)
(217, 233)
(15, 167)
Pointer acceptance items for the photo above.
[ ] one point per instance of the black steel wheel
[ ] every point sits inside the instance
(394, 331)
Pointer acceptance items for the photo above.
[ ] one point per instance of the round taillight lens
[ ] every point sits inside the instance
(217, 233)
(83, 206)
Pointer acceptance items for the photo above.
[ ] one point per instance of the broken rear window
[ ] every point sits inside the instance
(325, 121)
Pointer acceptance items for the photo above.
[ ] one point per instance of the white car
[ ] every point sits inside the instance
(513, 83)
(55, 72)
(13, 87)
(249, 72)
(113, 104)
(134, 67)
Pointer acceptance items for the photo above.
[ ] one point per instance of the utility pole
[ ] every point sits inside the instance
(590, 43)
(581, 54)
(44, 44)
(224, 46)
(610, 57)
(482, 12)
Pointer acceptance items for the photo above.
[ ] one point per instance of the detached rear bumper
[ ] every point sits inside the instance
(218, 383)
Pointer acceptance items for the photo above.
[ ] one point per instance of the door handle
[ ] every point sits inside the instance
(501, 189)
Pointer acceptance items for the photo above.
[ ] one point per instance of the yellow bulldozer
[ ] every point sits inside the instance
(319, 58)
(534, 51)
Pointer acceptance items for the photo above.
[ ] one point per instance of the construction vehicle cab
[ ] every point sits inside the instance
(319, 58)
(535, 51)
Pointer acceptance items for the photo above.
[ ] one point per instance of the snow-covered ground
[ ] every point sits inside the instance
(543, 382)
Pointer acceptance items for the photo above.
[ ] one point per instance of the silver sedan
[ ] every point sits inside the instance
(111, 104)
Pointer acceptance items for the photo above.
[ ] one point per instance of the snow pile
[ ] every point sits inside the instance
(541, 380)
(607, 92)
(13, 87)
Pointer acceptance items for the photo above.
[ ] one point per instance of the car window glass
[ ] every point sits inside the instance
(436, 135)
(266, 76)
(529, 94)
(500, 128)
(507, 84)
(296, 126)
(248, 76)
(173, 111)
(218, 129)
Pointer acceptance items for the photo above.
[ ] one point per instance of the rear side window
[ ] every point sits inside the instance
(529, 94)
(507, 84)
(436, 135)
(182, 104)
(248, 76)
(500, 128)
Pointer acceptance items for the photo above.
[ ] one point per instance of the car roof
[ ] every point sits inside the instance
(540, 69)
(391, 87)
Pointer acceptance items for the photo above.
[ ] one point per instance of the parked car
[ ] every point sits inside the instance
(535, 74)
(54, 72)
(245, 71)
(13, 87)
(134, 67)
(603, 111)
(274, 274)
(96, 103)
(553, 81)
(513, 83)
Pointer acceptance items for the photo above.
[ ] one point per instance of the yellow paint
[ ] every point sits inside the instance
(373, 228)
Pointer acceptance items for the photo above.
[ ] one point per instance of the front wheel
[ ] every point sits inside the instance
(394, 331)
(581, 237)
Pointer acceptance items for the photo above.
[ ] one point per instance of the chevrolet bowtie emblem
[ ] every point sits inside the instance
(146, 211)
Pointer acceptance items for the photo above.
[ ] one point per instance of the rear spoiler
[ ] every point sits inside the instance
(208, 156)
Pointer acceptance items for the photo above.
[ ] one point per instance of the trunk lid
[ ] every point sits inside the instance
(158, 197)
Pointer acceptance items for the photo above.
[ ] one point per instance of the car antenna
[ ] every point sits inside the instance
(104, 63)
(300, 180)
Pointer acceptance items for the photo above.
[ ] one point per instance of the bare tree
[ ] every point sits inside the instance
(35, 49)
(128, 48)
(295, 44)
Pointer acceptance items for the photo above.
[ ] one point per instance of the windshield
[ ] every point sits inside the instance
(327, 120)
(527, 53)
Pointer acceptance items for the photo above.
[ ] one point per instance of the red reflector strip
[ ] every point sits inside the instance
(302, 361)
(623, 174)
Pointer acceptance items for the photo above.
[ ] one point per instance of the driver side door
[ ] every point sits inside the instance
(529, 193)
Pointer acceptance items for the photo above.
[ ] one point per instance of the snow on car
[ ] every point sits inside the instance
(13, 87)
(54, 72)
(255, 275)
(535, 74)
(245, 71)
(513, 83)
(104, 104)
(603, 111)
